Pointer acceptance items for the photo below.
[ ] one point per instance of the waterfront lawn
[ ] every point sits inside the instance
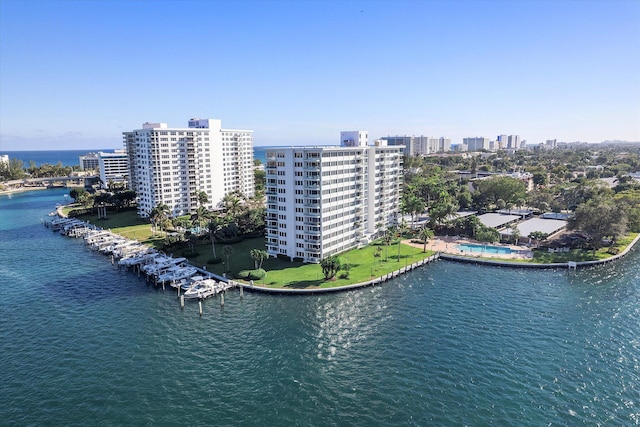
(582, 255)
(129, 225)
(283, 273)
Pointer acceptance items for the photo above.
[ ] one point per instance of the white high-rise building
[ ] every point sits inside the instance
(89, 161)
(325, 200)
(114, 167)
(173, 165)
(477, 143)
(420, 145)
(510, 141)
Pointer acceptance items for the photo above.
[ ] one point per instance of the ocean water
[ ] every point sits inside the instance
(71, 157)
(83, 343)
(66, 157)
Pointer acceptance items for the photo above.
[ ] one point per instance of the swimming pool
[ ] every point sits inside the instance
(487, 249)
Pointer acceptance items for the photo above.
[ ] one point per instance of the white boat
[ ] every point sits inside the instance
(159, 266)
(201, 289)
(177, 273)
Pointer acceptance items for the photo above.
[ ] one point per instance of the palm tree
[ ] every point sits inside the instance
(387, 239)
(400, 230)
(202, 198)
(159, 215)
(201, 217)
(425, 234)
(515, 233)
(258, 257)
(232, 204)
(214, 225)
(227, 251)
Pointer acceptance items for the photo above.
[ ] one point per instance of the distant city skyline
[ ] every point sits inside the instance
(75, 75)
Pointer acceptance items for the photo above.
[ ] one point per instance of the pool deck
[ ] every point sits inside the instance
(449, 245)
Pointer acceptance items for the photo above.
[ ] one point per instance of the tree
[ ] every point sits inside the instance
(515, 233)
(203, 198)
(411, 204)
(400, 230)
(487, 235)
(629, 201)
(159, 215)
(227, 251)
(213, 226)
(500, 187)
(330, 267)
(599, 218)
(201, 217)
(425, 234)
(387, 239)
(441, 210)
(258, 256)
(260, 178)
(15, 169)
(540, 178)
(538, 236)
(232, 203)
(77, 193)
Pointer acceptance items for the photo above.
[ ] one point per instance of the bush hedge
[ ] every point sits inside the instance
(252, 274)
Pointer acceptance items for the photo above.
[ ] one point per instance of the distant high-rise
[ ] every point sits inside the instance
(419, 145)
(173, 165)
(477, 143)
(508, 142)
(114, 167)
(89, 161)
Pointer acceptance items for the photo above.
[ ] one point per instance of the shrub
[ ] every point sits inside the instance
(252, 274)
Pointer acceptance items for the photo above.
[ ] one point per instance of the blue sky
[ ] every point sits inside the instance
(76, 74)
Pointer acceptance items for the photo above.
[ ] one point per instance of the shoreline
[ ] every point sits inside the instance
(22, 190)
(441, 247)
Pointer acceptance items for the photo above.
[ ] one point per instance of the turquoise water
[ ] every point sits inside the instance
(66, 157)
(84, 343)
(470, 247)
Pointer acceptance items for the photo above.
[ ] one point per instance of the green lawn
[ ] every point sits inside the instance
(127, 224)
(579, 255)
(282, 273)
(363, 266)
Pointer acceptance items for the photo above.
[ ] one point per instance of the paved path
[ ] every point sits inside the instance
(449, 245)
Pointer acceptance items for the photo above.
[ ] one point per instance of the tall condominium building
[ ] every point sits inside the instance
(173, 165)
(114, 167)
(325, 200)
(89, 161)
(419, 145)
(508, 141)
(477, 143)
